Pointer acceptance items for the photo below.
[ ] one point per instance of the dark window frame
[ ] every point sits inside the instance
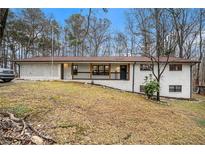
(175, 88)
(175, 67)
(75, 69)
(148, 68)
(100, 70)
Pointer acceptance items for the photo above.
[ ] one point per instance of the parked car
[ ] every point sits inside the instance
(7, 74)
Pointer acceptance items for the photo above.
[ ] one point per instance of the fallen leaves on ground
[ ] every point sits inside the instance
(75, 113)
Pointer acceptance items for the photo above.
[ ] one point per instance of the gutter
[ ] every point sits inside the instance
(133, 78)
(106, 61)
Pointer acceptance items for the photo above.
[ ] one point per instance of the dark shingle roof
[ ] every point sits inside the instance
(103, 59)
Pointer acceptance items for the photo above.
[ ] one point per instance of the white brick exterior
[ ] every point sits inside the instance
(168, 78)
(42, 71)
(37, 71)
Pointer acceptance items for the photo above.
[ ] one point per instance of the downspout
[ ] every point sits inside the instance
(19, 71)
(133, 77)
(191, 88)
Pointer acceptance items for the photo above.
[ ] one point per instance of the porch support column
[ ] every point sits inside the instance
(109, 71)
(133, 78)
(91, 70)
(72, 70)
(128, 67)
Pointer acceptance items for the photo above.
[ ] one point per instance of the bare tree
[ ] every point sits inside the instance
(3, 18)
(165, 43)
(131, 37)
(184, 21)
(121, 44)
(98, 34)
(139, 25)
(201, 29)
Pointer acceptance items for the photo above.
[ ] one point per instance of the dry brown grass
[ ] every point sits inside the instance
(74, 113)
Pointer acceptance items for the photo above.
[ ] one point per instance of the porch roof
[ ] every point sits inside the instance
(104, 59)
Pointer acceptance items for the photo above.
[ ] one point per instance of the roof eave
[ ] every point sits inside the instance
(108, 61)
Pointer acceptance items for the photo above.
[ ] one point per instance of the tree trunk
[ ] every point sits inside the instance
(158, 93)
(158, 47)
(198, 74)
(158, 96)
(3, 18)
(200, 46)
(158, 76)
(181, 51)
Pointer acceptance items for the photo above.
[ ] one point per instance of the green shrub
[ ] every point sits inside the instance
(151, 86)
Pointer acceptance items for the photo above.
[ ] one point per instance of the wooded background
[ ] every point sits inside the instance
(179, 32)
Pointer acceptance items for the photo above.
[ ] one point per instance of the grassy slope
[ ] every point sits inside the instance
(74, 113)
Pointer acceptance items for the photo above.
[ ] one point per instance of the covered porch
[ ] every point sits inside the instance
(97, 71)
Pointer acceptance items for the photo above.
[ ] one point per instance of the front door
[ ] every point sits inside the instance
(123, 72)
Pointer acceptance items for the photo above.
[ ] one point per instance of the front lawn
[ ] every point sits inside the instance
(75, 113)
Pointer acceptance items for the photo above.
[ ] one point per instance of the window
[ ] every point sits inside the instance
(141, 88)
(145, 67)
(75, 69)
(101, 69)
(175, 88)
(175, 67)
